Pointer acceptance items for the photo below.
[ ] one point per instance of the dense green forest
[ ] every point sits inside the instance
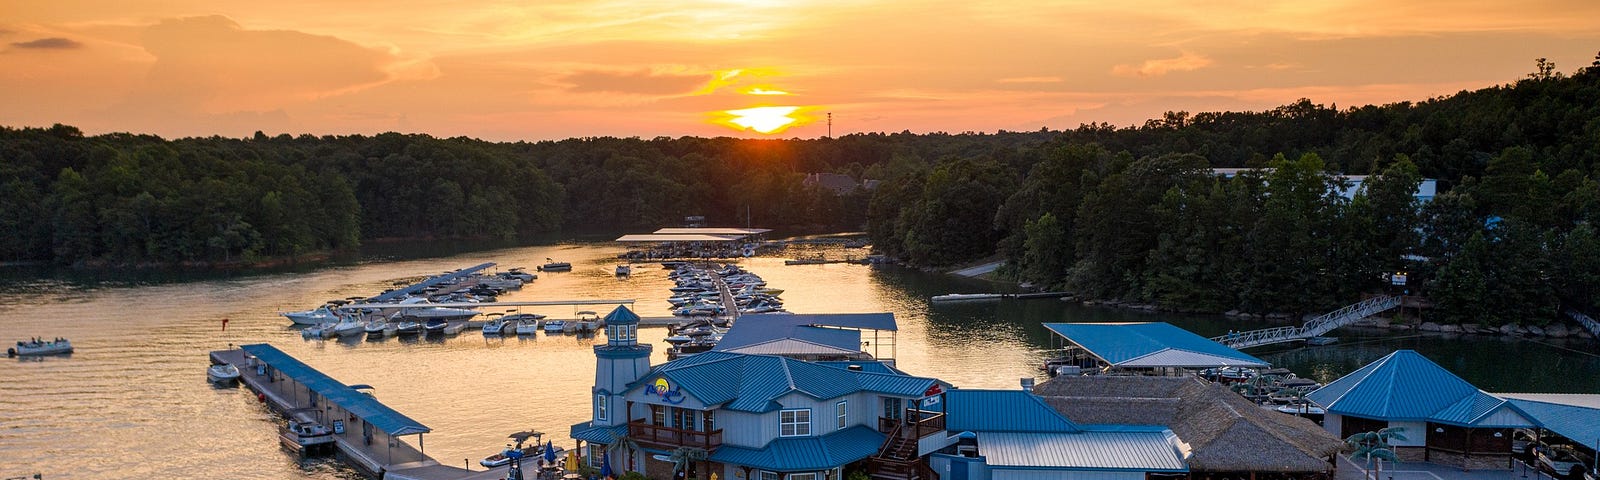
(1124, 213)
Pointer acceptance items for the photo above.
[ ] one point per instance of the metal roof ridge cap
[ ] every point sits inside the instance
(1376, 365)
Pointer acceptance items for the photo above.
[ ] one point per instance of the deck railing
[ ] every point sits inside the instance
(663, 436)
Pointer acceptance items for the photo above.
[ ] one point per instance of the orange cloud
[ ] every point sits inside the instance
(1030, 80)
(643, 82)
(1158, 67)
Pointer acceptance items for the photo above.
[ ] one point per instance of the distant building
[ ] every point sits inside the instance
(1354, 183)
(840, 184)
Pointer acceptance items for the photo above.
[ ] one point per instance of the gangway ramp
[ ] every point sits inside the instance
(1315, 327)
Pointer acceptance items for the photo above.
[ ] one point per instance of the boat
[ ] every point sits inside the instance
(38, 346)
(554, 326)
(417, 307)
(378, 328)
(518, 274)
(222, 373)
(1320, 341)
(312, 317)
(496, 324)
(624, 270)
(318, 331)
(532, 452)
(554, 266)
(434, 326)
(409, 326)
(588, 321)
(1307, 410)
(305, 436)
(349, 326)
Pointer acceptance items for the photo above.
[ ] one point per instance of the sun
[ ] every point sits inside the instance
(767, 120)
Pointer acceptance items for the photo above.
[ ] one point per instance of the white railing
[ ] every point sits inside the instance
(1589, 323)
(1321, 324)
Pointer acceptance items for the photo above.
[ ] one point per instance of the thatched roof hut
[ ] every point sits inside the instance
(1225, 432)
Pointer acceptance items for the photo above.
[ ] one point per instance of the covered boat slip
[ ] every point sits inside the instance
(1154, 347)
(368, 433)
(429, 282)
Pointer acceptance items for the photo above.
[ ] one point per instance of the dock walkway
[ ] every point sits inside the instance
(373, 453)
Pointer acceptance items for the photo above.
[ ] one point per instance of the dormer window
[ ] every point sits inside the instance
(794, 423)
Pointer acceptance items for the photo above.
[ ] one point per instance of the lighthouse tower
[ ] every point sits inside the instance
(621, 361)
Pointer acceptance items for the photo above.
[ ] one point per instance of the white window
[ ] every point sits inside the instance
(765, 475)
(600, 407)
(802, 476)
(839, 411)
(596, 453)
(794, 423)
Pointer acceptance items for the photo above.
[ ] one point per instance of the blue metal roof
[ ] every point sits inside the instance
(865, 321)
(738, 338)
(1145, 451)
(1401, 386)
(873, 366)
(1575, 416)
(588, 432)
(1002, 411)
(1482, 410)
(1161, 344)
(430, 281)
(362, 405)
(805, 453)
(753, 383)
(622, 316)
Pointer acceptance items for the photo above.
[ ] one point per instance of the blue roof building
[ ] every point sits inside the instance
(838, 336)
(746, 416)
(1445, 419)
(1014, 435)
(1152, 346)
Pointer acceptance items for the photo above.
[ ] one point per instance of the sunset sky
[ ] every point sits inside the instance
(550, 69)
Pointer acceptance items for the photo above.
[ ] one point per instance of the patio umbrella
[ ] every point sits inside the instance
(605, 465)
(549, 453)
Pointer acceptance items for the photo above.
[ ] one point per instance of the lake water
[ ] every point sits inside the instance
(133, 402)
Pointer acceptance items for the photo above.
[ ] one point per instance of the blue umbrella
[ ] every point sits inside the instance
(605, 465)
(549, 453)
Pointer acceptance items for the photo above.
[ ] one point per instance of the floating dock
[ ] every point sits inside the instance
(366, 432)
(972, 297)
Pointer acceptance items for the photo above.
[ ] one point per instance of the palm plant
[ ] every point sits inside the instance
(683, 455)
(1375, 445)
(623, 444)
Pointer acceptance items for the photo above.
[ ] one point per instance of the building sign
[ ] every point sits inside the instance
(666, 390)
(1398, 279)
(931, 396)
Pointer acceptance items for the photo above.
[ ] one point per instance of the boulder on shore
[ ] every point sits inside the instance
(1450, 328)
(1535, 331)
(1428, 327)
(1508, 329)
(1557, 331)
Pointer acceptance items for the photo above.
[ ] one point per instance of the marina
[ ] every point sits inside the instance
(444, 381)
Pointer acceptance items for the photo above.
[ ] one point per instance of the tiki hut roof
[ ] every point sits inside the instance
(1225, 432)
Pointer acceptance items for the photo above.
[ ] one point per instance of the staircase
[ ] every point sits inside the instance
(1324, 323)
(897, 459)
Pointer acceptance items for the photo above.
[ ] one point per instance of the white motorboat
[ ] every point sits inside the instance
(377, 327)
(496, 324)
(222, 373)
(39, 346)
(318, 331)
(418, 307)
(554, 326)
(313, 317)
(518, 274)
(624, 270)
(408, 326)
(349, 326)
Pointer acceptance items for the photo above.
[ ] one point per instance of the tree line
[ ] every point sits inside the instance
(1126, 213)
(1137, 214)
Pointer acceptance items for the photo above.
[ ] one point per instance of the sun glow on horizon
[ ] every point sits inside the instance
(765, 91)
(767, 120)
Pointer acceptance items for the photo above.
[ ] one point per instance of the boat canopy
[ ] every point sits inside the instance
(345, 396)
